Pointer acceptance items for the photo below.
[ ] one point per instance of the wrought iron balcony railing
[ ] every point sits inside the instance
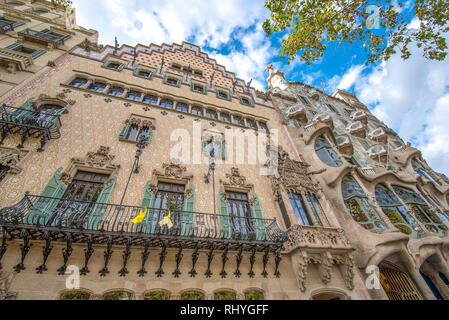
(98, 218)
(29, 123)
(62, 220)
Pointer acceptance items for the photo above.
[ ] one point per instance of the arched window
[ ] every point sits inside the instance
(183, 107)
(166, 103)
(396, 212)
(75, 295)
(421, 210)
(254, 294)
(192, 295)
(359, 207)
(212, 114)
(47, 113)
(423, 172)
(132, 133)
(78, 82)
(434, 203)
(98, 86)
(116, 91)
(149, 98)
(118, 295)
(197, 111)
(224, 295)
(157, 295)
(225, 117)
(325, 152)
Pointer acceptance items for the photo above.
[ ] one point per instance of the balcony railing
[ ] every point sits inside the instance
(80, 216)
(62, 220)
(29, 123)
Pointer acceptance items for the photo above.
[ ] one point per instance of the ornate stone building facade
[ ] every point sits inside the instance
(126, 165)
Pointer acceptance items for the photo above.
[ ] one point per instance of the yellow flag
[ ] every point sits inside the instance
(166, 221)
(141, 216)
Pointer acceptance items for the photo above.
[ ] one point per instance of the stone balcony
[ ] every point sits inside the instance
(324, 118)
(344, 145)
(359, 115)
(357, 129)
(298, 113)
(322, 248)
(378, 153)
(15, 60)
(378, 135)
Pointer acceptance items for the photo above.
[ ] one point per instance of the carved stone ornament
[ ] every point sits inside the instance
(11, 158)
(292, 176)
(238, 182)
(172, 172)
(5, 284)
(101, 160)
(90, 46)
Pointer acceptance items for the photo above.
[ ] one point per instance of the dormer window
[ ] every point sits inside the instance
(198, 111)
(149, 98)
(134, 95)
(98, 87)
(182, 107)
(225, 117)
(79, 82)
(116, 91)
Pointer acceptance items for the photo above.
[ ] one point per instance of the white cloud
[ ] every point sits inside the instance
(215, 24)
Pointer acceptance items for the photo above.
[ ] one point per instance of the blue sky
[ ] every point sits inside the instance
(412, 96)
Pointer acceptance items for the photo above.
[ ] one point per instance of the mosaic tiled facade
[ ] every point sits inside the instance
(346, 193)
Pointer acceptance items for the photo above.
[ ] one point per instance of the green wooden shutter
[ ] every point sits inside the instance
(251, 102)
(106, 63)
(179, 83)
(191, 86)
(229, 95)
(43, 207)
(224, 218)
(149, 135)
(147, 201)
(151, 75)
(56, 114)
(187, 214)
(136, 71)
(259, 225)
(165, 77)
(223, 150)
(15, 46)
(100, 206)
(205, 89)
(23, 112)
(122, 66)
(124, 133)
(204, 147)
(216, 93)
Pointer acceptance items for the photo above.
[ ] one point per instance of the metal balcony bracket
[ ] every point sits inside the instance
(195, 255)
(264, 262)
(252, 259)
(224, 259)
(210, 257)
(87, 254)
(66, 253)
(3, 247)
(145, 254)
(162, 256)
(43, 142)
(45, 253)
(126, 254)
(25, 248)
(107, 256)
(179, 256)
(277, 261)
(238, 262)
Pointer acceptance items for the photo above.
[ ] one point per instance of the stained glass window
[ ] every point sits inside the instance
(421, 210)
(359, 207)
(396, 212)
(325, 152)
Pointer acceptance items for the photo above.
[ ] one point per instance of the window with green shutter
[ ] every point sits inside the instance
(101, 204)
(147, 201)
(225, 225)
(259, 224)
(43, 207)
(187, 214)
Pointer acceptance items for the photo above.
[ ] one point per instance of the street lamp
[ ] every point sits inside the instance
(211, 169)
(141, 144)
